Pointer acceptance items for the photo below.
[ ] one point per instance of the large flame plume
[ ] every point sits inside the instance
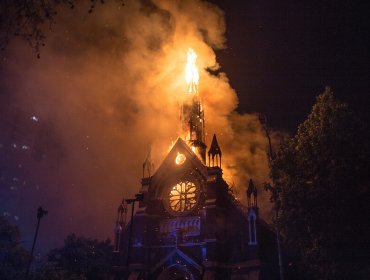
(107, 84)
(191, 70)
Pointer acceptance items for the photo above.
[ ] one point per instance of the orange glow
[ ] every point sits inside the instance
(191, 72)
(180, 159)
(183, 197)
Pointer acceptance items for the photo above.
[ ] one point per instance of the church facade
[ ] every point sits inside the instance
(187, 223)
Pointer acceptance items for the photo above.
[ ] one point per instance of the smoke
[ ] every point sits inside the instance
(108, 86)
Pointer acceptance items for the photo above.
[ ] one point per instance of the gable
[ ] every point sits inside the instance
(176, 256)
(170, 171)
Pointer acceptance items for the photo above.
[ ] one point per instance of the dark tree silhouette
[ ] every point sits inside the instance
(28, 19)
(322, 175)
(79, 258)
(13, 257)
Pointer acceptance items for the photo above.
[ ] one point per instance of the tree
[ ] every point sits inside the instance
(28, 19)
(13, 257)
(323, 181)
(80, 258)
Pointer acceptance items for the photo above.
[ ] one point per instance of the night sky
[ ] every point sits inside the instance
(77, 123)
(290, 50)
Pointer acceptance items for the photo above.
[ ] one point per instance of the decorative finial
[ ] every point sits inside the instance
(215, 152)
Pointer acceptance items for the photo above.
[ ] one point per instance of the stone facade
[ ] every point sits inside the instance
(189, 226)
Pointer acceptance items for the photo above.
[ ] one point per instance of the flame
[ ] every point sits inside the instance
(191, 72)
(180, 158)
(171, 146)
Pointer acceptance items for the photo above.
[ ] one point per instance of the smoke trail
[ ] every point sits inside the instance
(109, 85)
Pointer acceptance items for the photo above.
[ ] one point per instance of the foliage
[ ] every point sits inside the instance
(80, 258)
(28, 19)
(322, 180)
(13, 257)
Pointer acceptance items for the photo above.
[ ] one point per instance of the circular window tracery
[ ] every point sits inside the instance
(183, 197)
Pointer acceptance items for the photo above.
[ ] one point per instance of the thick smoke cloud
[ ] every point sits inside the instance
(108, 86)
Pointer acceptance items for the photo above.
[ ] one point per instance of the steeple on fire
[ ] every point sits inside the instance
(191, 73)
(192, 114)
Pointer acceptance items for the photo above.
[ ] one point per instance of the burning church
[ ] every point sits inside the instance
(187, 224)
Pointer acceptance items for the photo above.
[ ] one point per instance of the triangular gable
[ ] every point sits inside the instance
(169, 165)
(176, 252)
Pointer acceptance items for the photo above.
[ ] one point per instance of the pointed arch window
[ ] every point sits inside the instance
(252, 228)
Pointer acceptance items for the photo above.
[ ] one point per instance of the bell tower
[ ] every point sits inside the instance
(192, 113)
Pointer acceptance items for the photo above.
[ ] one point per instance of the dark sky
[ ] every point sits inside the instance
(281, 54)
(99, 87)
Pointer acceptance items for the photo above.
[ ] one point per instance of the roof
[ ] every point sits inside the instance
(170, 171)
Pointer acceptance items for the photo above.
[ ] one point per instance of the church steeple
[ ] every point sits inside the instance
(192, 113)
(120, 225)
(252, 215)
(215, 152)
(252, 190)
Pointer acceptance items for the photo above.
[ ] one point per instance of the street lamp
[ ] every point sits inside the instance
(40, 213)
(138, 197)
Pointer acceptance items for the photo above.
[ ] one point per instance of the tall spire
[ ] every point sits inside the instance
(192, 113)
(252, 190)
(120, 224)
(148, 165)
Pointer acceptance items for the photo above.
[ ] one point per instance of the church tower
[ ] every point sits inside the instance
(192, 113)
(187, 223)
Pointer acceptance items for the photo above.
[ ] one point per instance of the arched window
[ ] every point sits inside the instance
(252, 228)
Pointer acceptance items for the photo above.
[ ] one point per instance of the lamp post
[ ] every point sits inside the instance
(40, 213)
(138, 197)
